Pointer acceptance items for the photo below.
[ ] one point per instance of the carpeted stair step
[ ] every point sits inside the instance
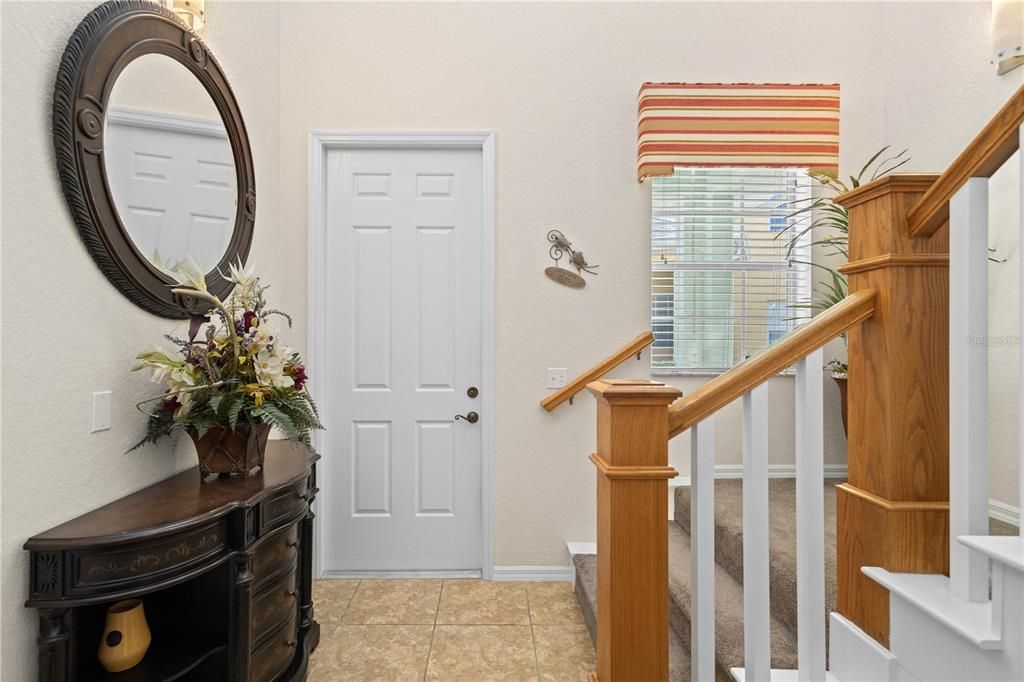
(728, 610)
(781, 543)
(586, 594)
(729, 574)
(782, 538)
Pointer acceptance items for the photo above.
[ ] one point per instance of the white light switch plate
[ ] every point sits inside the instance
(101, 410)
(557, 377)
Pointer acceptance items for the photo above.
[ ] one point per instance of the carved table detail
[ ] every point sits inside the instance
(200, 554)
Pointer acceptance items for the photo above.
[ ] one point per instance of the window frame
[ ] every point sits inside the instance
(798, 266)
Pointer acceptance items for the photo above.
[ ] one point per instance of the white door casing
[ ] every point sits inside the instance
(401, 246)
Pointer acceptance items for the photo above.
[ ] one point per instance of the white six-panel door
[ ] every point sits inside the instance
(402, 351)
(173, 181)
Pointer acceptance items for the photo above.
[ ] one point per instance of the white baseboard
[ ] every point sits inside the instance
(1006, 513)
(774, 471)
(532, 573)
(328, 575)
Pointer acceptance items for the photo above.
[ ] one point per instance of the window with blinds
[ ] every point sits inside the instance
(723, 286)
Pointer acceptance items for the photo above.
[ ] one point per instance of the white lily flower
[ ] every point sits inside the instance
(270, 370)
(239, 273)
(262, 338)
(184, 405)
(160, 361)
(159, 374)
(188, 273)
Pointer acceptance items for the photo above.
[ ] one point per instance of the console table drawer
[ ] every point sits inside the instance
(279, 509)
(272, 605)
(272, 657)
(275, 552)
(139, 563)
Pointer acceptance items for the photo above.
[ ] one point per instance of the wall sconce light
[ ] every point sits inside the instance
(1007, 34)
(192, 12)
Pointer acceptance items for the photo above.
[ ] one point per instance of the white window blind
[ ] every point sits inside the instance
(722, 286)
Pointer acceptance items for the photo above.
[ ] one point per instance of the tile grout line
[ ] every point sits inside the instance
(335, 627)
(533, 633)
(351, 599)
(433, 630)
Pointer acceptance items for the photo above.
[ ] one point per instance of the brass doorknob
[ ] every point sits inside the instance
(472, 417)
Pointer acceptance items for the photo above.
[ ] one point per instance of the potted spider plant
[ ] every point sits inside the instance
(828, 224)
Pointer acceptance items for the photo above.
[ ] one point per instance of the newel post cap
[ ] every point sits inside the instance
(633, 392)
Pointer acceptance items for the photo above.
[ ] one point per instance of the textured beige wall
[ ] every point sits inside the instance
(940, 90)
(66, 330)
(161, 84)
(558, 84)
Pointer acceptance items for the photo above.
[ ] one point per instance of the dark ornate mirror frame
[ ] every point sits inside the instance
(107, 40)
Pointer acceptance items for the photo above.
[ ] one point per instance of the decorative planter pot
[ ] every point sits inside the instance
(126, 636)
(227, 451)
(841, 383)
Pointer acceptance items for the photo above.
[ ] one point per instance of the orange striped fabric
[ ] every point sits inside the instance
(737, 124)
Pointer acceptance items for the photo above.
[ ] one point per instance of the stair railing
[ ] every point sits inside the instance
(634, 424)
(916, 497)
(960, 195)
(569, 391)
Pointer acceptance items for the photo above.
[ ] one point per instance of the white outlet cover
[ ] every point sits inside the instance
(557, 377)
(101, 401)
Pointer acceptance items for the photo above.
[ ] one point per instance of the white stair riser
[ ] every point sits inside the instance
(853, 656)
(932, 651)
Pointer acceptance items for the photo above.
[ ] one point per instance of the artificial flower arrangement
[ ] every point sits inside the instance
(231, 380)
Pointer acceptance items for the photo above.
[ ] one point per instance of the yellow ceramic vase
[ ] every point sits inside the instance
(125, 637)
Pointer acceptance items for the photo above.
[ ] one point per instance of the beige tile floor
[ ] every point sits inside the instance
(449, 630)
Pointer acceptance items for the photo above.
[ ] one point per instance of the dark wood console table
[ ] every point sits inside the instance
(223, 567)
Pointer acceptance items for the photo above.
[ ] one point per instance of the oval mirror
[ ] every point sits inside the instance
(169, 165)
(152, 153)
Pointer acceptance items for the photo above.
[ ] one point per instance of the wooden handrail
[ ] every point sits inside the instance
(754, 371)
(597, 371)
(986, 153)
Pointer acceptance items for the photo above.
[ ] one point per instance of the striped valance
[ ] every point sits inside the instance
(737, 124)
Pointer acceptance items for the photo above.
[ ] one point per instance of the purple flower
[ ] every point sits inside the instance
(247, 319)
(299, 375)
(167, 405)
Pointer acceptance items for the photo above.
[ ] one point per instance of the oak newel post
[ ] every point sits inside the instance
(632, 529)
(894, 510)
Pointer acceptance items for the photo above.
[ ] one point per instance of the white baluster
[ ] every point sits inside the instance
(1020, 312)
(968, 386)
(757, 652)
(810, 519)
(702, 550)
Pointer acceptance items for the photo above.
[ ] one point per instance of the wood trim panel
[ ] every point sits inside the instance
(890, 260)
(751, 373)
(985, 154)
(907, 537)
(631, 473)
(898, 390)
(597, 371)
(889, 184)
(890, 505)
